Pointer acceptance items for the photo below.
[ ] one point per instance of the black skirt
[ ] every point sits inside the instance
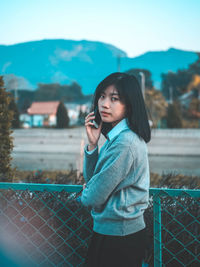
(116, 251)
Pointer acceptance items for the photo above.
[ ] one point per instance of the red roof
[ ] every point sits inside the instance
(43, 108)
(195, 113)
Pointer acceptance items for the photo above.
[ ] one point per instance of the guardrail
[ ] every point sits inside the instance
(46, 225)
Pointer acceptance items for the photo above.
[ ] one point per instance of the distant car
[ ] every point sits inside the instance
(26, 125)
(150, 123)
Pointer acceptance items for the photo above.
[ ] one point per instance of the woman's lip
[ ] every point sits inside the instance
(104, 113)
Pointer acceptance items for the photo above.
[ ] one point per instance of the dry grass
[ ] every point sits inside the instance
(170, 180)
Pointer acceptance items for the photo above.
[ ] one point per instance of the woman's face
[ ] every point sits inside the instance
(110, 106)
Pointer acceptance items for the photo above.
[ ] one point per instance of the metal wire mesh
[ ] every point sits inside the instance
(50, 228)
(46, 225)
(177, 225)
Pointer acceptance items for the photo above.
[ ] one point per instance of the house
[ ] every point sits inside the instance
(43, 113)
(74, 108)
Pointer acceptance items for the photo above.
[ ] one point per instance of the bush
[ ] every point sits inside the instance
(170, 180)
(62, 117)
(13, 107)
(6, 141)
(174, 119)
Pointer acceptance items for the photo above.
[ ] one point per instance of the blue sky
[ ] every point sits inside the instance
(133, 26)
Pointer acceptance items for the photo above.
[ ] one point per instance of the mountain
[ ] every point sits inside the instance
(86, 62)
(159, 62)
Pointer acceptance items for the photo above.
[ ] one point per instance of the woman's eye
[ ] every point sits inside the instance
(102, 96)
(114, 99)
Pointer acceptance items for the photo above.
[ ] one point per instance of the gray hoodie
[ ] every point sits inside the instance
(117, 180)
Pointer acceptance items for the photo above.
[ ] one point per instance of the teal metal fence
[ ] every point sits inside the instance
(46, 225)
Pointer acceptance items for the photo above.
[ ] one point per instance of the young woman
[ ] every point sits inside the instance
(117, 177)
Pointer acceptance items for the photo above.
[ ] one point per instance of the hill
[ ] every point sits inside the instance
(85, 62)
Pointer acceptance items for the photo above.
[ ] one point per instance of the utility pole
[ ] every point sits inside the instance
(170, 88)
(199, 103)
(142, 83)
(15, 90)
(170, 95)
(118, 62)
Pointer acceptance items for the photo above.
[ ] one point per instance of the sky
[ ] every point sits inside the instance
(134, 26)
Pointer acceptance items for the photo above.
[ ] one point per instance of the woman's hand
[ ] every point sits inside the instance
(93, 133)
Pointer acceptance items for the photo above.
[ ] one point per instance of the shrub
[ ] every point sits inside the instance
(62, 117)
(6, 141)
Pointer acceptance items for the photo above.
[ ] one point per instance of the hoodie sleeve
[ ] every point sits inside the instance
(89, 163)
(117, 163)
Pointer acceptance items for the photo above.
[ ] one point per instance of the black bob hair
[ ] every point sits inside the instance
(130, 94)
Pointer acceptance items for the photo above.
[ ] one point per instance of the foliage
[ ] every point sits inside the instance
(195, 83)
(183, 87)
(174, 180)
(194, 68)
(25, 98)
(81, 117)
(62, 119)
(13, 107)
(50, 92)
(55, 91)
(176, 82)
(168, 180)
(147, 74)
(49, 177)
(179, 81)
(6, 141)
(156, 105)
(173, 118)
(194, 108)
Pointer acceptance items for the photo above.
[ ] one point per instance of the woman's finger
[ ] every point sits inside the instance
(89, 123)
(90, 118)
(90, 114)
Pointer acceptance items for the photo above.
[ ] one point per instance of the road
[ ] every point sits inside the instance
(63, 149)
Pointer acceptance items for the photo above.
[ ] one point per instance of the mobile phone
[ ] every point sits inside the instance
(97, 119)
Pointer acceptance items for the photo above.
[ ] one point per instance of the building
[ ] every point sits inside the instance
(74, 108)
(43, 113)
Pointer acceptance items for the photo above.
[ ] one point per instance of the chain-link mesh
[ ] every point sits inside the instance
(46, 225)
(49, 228)
(178, 226)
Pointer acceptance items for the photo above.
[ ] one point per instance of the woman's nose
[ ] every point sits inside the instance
(105, 103)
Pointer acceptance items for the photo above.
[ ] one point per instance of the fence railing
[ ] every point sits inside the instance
(46, 225)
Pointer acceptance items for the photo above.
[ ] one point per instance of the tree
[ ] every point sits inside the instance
(13, 107)
(156, 105)
(55, 91)
(178, 82)
(194, 68)
(62, 119)
(173, 118)
(147, 74)
(6, 141)
(81, 116)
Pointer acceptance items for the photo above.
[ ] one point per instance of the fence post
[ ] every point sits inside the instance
(157, 231)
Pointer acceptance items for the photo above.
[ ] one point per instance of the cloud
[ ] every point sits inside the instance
(16, 82)
(68, 55)
(5, 66)
(60, 77)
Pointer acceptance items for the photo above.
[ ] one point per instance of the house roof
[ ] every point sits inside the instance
(43, 108)
(195, 113)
